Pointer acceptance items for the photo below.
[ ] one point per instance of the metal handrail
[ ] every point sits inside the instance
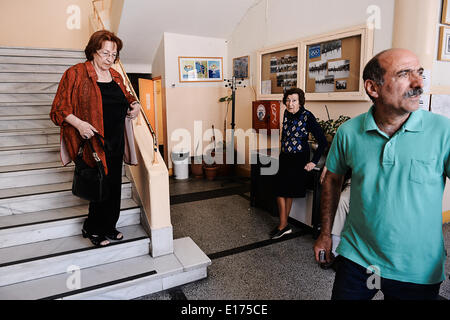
(152, 132)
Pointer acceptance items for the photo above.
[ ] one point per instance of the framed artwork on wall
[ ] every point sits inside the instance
(444, 44)
(200, 69)
(445, 12)
(240, 67)
(332, 64)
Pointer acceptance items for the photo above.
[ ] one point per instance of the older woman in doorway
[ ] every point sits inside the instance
(294, 161)
(92, 99)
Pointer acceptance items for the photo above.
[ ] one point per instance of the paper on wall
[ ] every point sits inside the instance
(426, 76)
(266, 87)
(424, 102)
(440, 104)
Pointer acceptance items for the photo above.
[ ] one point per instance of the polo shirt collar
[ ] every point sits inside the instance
(414, 122)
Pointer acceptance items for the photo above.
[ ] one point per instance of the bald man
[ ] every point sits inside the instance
(400, 157)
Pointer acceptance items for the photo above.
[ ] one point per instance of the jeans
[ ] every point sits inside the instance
(352, 283)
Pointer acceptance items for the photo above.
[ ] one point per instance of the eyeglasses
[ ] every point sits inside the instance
(106, 54)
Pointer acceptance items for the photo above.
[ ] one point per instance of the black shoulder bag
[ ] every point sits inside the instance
(89, 183)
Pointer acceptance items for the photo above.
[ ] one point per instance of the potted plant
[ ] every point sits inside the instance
(330, 126)
(197, 164)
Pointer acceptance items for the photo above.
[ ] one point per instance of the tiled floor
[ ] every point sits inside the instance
(246, 265)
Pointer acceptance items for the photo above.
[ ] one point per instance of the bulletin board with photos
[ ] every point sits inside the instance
(278, 71)
(326, 67)
(333, 65)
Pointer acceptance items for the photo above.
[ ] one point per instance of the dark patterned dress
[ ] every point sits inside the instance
(295, 152)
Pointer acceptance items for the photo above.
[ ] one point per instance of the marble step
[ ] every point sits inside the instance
(33, 177)
(16, 138)
(25, 108)
(25, 121)
(56, 256)
(30, 155)
(26, 97)
(29, 88)
(57, 223)
(125, 279)
(29, 77)
(18, 60)
(15, 67)
(16, 201)
(41, 52)
(36, 174)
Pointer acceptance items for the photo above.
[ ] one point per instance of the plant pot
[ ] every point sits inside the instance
(196, 168)
(211, 171)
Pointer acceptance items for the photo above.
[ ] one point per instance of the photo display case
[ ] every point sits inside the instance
(326, 67)
(333, 66)
(278, 71)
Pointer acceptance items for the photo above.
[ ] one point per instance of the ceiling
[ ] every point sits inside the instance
(143, 23)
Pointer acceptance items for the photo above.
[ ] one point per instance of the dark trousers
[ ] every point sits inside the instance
(103, 216)
(351, 283)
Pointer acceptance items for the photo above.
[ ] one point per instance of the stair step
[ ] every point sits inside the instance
(51, 68)
(60, 227)
(52, 215)
(33, 177)
(32, 166)
(28, 88)
(41, 52)
(16, 138)
(29, 154)
(45, 197)
(56, 256)
(25, 97)
(22, 122)
(18, 60)
(36, 174)
(29, 77)
(41, 109)
(125, 279)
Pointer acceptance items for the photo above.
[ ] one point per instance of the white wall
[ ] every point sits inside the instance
(273, 22)
(191, 46)
(189, 102)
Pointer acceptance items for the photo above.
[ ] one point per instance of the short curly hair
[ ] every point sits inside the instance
(301, 95)
(96, 42)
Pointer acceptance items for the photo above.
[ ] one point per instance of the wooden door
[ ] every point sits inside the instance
(146, 96)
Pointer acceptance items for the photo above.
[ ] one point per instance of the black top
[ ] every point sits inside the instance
(114, 112)
(296, 128)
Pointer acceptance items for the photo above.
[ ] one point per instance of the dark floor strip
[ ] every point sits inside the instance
(245, 197)
(176, 294)
(99, 286)
(255, 245)
(205, 195)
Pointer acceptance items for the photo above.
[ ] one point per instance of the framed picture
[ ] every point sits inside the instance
(444, 44)
(332, 64)
(240, 67)
(277, 71)
(445, 12)
(200, 69)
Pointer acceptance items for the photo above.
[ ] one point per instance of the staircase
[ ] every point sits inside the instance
(42, 252)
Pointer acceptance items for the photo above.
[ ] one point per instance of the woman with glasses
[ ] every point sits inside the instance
(92, 100)
(294, 161)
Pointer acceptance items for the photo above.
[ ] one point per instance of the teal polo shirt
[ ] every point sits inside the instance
(395, 217)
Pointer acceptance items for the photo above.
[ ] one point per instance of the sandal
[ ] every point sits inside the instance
(115, 235)
(98, 241)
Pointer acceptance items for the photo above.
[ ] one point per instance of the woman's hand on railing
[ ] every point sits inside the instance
(134, 109)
